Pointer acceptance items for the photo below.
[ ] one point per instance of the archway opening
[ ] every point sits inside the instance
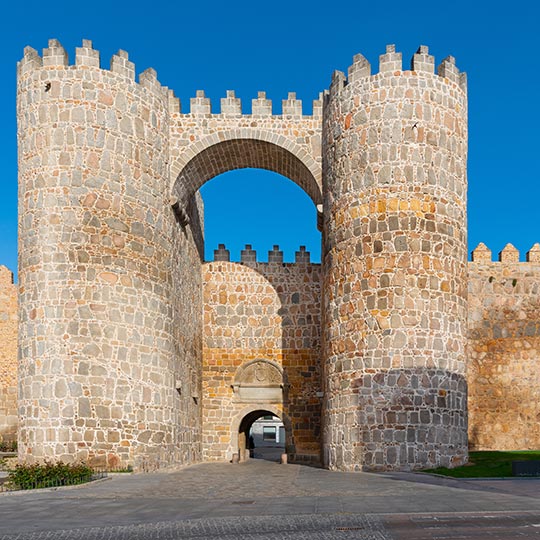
(260, 208)
(261, 435)
(210, 158)
(253, 310)
(262, 160)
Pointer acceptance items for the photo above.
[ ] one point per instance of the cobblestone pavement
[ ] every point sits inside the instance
(261, 499)
(247, 528)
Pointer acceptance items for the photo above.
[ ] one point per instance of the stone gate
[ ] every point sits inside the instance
(130, 347)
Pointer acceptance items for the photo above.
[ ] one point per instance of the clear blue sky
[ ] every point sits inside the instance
(294, 46)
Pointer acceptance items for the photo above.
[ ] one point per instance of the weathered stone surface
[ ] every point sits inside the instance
(110, 301)
(261, 352)
(504, 355)
(8, 356)
(395, 269)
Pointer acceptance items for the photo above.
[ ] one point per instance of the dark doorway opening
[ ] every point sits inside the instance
(262, 435)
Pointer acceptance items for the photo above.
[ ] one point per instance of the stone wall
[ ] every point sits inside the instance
(110, 249)
(261, 311)
(8, 356)
(504, 350)
(204, 144)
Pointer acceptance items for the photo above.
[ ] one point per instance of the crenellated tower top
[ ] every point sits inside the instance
(390, 63)
(54, 56)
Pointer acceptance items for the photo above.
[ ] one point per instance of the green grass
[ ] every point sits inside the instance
(488, 464)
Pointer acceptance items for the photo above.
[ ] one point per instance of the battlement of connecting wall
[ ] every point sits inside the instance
(249, 256)
(509, 254)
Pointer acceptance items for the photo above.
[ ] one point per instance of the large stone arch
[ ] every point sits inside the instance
(242, 148)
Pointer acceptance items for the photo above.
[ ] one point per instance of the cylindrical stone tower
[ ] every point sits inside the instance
(394, 165)
(98, 266)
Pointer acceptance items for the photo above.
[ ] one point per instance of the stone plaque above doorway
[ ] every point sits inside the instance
(259, 381)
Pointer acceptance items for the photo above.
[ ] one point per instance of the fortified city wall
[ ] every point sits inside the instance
(503, 346)
(113, 364)
(504, 350)
(109, 173)
(8, 356)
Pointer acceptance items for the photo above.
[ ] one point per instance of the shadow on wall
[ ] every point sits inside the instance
(504, 395)
(504, 355)
(404, 419)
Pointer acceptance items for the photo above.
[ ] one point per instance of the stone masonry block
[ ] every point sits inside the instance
(533, 255)
(222, 254)
(248, 255)
(261, 106)
(390, 61)
(509, 254)
(275, 256)
(481, 254)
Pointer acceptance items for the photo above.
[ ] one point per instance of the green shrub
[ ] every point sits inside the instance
(49, 475)
(8, 446)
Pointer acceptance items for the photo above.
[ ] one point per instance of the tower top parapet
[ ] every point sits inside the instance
(391, 63)
(54, 56)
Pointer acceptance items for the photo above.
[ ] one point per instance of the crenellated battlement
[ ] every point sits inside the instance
(249, 256)
(261, 106)
(509, 254)
(391, 63)
(54, 56)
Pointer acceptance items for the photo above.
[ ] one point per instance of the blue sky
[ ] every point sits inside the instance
(294, 46)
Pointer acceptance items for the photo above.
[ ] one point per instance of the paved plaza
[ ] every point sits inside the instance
(262, 499)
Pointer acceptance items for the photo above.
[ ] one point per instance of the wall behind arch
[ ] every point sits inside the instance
(261, 310)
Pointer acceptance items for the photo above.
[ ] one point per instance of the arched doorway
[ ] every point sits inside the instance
(251, 443)
(262, 386)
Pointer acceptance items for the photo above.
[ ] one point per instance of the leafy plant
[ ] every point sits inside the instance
(41, 475)
(8, 446)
